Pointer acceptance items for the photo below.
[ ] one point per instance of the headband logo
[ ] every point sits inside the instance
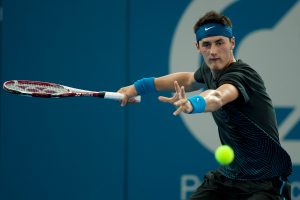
(206, 29)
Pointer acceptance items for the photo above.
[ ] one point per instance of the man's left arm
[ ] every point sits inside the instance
(207, 101)
(215, 99)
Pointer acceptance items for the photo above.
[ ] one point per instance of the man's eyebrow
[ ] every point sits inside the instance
(214, 41)
(219, 40)
(206, 42)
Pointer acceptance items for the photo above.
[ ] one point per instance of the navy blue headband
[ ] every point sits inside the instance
(213, 29)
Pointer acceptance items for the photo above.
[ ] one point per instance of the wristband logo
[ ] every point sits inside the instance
(271, 48)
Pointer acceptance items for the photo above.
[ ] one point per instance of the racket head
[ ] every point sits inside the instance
(36, 88)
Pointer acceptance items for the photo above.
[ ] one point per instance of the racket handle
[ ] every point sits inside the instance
(119, 96)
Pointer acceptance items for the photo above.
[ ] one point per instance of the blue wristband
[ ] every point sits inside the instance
(198, 104)
(145, 86)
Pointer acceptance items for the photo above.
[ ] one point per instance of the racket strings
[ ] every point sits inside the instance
(37, 88)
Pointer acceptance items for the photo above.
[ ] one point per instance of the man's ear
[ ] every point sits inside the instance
(232, 40)
(197, 46)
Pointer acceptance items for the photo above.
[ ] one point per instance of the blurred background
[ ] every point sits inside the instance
(89, 148)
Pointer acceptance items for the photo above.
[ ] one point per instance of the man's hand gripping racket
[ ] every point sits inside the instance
(52, 90)
(129, 92)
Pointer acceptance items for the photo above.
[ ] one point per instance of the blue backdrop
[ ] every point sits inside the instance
(87, 148)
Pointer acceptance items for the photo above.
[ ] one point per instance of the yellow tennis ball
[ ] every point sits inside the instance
(224, 154)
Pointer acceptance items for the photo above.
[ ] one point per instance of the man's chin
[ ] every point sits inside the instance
(215, 67)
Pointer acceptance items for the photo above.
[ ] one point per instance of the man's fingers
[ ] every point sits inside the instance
(180, 102)
(123, 103)
(125, 100)
(165, 99)
(177, 87)
(178, 111)
(132, 100)
(182, 92)
(179, 99)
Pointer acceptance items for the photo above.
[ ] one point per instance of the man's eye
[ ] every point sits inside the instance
(205, 44)
(219, 43)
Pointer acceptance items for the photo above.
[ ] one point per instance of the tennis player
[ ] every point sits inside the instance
(242, 109)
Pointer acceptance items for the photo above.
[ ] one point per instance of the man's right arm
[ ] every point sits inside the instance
(164, 83)
(186, 79)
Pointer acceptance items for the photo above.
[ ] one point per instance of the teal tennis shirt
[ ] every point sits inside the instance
(248, 125)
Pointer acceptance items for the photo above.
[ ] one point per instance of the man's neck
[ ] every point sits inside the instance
(215, 73)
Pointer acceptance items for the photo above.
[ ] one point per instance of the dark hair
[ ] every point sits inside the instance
(212, 17)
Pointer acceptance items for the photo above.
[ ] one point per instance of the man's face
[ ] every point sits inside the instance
(217, 51)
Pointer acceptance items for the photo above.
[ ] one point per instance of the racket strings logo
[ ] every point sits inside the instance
(273, 51)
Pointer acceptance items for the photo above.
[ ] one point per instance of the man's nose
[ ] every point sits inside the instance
(213, 49)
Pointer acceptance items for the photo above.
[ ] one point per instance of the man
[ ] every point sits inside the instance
(242, 110)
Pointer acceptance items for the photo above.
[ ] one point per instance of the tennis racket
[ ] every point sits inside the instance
(53, 90)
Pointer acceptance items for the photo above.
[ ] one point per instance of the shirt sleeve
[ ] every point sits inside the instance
(239, 80)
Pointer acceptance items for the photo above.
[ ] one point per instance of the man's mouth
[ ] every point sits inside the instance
(214, 59)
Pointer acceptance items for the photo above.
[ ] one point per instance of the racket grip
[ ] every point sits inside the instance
(119, 96)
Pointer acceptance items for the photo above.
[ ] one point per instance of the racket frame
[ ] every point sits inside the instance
(70, 91)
